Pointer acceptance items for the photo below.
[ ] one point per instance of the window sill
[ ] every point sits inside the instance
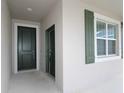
(106, 59)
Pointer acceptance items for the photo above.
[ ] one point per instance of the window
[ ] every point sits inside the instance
(102, 38)
(106, 38)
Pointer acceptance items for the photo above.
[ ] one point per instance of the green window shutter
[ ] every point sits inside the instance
(89, 37)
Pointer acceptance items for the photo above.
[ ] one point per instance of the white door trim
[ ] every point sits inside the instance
(15, 32)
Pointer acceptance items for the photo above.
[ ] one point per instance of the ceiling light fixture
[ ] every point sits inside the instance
(29, 9)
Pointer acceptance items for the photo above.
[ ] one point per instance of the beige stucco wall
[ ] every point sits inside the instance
(6, 46)
(54, 17)
(78, 77)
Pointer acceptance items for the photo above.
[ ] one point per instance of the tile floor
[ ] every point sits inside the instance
(32, 82)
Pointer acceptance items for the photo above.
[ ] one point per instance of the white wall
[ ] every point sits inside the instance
(79, 77)
(54, 17)
(6, 46)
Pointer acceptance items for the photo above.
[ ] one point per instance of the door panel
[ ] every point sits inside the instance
(27, 58)
(50, 50)
(26, 40)
(26, 48)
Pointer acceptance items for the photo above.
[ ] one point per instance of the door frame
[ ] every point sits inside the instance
(15, 40)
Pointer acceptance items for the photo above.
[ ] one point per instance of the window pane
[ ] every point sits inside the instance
(111, 31)
(101, 47)
(101, 29)
(111, 47)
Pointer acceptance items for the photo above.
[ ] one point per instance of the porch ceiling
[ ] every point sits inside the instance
(18, 8)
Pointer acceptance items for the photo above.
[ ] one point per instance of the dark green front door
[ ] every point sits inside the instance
(50, 50)
(26, 48)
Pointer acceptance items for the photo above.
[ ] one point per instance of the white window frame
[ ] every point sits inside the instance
(107, 20)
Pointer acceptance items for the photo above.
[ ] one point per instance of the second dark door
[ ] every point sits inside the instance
(50, 50)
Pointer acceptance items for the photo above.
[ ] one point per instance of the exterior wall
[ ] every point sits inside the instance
(54, 17)
(6, 46)
(78, 77)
